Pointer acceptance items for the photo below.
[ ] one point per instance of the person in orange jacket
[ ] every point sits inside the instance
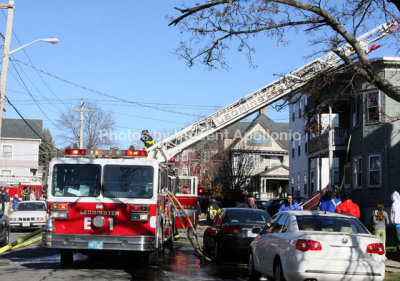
(348, 206)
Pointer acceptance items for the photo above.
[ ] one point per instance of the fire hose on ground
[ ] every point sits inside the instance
(22, 242)
(198, 249)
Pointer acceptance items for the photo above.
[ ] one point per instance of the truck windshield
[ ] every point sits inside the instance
(76, 180)
(127, 181)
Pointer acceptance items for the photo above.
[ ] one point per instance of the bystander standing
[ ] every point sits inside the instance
(348, 206)
(395, 216)
(7, 200)
(289, 204)
(380, 219)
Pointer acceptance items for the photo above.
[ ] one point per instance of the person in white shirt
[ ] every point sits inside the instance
(32, 197)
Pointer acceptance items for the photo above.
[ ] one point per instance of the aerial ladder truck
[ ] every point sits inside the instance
(278, 89)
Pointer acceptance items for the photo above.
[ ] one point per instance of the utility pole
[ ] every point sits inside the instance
(6, 56)
(81, 110)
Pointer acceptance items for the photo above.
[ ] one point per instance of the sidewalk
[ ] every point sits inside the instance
(393, 261)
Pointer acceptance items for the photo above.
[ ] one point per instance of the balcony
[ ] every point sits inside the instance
(321, 143)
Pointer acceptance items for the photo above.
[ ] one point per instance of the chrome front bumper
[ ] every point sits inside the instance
(98, 242)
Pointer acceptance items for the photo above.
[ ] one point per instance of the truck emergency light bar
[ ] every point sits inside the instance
(112, 153)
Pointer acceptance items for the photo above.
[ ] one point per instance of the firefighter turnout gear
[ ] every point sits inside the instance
(146, 139)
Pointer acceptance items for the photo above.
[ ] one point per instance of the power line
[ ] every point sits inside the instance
(29, 125)
(26, 88)
(107, 95)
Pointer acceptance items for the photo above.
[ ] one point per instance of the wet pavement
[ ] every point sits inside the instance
(36, 263)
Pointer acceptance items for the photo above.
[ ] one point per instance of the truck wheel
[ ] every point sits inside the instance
(6, 239)
(67, 257)
(152, 258)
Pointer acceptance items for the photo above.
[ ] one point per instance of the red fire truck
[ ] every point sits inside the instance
(107, 200)
(23, 191)
(186, 193)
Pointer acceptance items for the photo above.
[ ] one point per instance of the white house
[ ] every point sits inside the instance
(19, 147)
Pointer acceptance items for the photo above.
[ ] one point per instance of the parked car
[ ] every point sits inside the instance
(29, 214)
(232, 232)
(312, 245)
(4, 229)
(261, 204)
(273, 205)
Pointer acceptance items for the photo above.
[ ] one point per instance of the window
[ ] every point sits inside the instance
(300, 108)
(80, 180)
(251, 160)
(293, 115)
(206, 156)
(274, 161)
(7, 151)
(258, 139)
(357, 172)
(305, 182)
(293, 146)
(128, 181)
(374, 170)
(6, 172)
(373, 112)
(299, 147)
(330, 223)
(306, 143)
(184, 156)
(312, 179)
(185, 172)
(298, 182)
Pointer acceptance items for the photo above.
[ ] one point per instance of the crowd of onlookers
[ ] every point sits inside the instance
(8, 204)
(332, 200)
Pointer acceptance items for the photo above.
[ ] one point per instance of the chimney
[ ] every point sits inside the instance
(261, 111)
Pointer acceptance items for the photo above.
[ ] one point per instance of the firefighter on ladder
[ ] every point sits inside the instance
(146, 139)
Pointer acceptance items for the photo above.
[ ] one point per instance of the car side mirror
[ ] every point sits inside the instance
(256, 230)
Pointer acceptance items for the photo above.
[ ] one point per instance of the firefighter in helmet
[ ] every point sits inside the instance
(146, 139)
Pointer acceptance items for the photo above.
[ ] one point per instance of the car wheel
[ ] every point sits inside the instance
(67, 257)
(254, 275)
(278, 272)
(6, 239)
(217, 253)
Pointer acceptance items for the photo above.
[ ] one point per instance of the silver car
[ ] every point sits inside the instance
(29, 214)
(315, 245)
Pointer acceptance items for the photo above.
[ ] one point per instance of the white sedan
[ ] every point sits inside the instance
(315, 245)
(29, 214)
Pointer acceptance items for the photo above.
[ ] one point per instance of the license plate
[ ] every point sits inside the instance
(95, 245)
(251, 234)
(26, 224)
(343, 252)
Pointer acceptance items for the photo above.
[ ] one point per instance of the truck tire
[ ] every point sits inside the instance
(152, 258)
(66, 257)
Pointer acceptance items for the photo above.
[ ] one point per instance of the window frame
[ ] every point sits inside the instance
(185, 155)
(378, 106)
(12, 151)
(369, 170)
(357, 172)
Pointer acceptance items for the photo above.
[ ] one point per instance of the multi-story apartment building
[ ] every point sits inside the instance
(353, 137)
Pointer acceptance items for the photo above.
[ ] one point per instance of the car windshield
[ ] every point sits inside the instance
(246, 216)
(127, 181)
(32, 206)
(76, 180)
(330, 224)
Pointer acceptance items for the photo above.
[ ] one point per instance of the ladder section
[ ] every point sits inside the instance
(290, 83)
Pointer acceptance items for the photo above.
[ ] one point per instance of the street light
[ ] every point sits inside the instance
(51, 40)
(4, 67)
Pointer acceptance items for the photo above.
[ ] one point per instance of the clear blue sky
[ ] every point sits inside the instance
(125, 49)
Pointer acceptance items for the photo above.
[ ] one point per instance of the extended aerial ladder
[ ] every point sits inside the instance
(290, 83)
